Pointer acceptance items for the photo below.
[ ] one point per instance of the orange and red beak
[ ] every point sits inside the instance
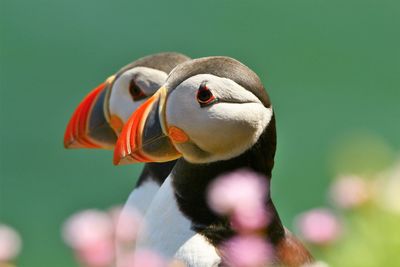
(145, 137)
(89, 126)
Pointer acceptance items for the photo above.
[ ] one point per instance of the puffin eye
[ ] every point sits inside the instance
(205, 96)
(135, 91)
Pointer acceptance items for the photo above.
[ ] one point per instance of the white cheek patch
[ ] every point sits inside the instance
(234, 128)
(121, 102)
(223, 130)
(124, 109)
(149, 80)
(227, 90)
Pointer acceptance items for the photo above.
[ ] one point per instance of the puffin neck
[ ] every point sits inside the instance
(157, 172)
(191, 181)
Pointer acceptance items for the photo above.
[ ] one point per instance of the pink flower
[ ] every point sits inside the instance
(87, 228)
(127, 222)
(10, 243)
(319, 226)
(100, 254)
(246, 251)
(249, 218)
(143, 258)
(241, 195)
(91, 234)
(349, 192)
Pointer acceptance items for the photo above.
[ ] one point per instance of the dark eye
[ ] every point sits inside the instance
(135, 91)
(205, 96)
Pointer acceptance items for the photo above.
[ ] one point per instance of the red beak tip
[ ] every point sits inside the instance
(68, 144)
(122, 160)
(116, 161)
(72, 144)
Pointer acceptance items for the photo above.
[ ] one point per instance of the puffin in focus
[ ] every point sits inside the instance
(214, 116)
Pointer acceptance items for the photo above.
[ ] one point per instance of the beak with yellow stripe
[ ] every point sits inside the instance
(146, 136)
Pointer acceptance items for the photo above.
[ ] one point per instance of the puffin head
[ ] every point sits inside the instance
(209, 109)
(99, 118)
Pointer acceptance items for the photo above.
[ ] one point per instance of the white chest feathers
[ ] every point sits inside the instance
(198, 252)
(131, 219)
(141, 197)
(167, 232)
(166, 228)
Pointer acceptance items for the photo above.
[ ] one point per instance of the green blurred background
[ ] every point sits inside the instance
(332, 69)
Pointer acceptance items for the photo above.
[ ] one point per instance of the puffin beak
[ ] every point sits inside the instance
(144, 137)
(89, 126)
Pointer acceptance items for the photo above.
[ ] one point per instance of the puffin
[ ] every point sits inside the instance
(98, 119)
(212, 116)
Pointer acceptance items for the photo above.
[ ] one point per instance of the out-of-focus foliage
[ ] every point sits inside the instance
(360, 227)
(366, 198)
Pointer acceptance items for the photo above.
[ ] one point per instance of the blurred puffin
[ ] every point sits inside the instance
(213, 115)
(98, 120)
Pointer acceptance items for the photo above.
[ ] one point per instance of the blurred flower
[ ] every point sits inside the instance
(350, 191)
(246, 251)
(10, 243)
(91, 234)
(249, 219)
(87, 228)
(100, 254)
(319, 226)
(143, 258)
(127, 222)
(240, 194)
